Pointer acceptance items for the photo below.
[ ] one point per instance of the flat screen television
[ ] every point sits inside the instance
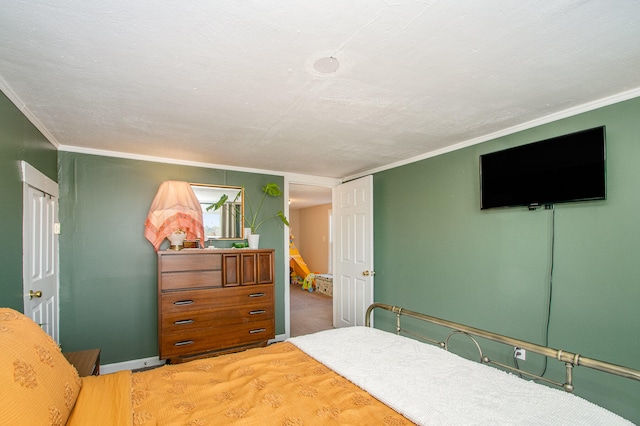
(558, 170)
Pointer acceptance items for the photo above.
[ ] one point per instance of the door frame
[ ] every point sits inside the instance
(32, 177)
(299, 180)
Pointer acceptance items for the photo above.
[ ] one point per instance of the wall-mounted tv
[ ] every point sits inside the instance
(562, 169)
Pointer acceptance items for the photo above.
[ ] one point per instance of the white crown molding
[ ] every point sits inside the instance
(570, 112)
(13, 97)
(318, 180)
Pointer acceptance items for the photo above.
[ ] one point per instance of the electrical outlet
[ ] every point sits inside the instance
(520, 353)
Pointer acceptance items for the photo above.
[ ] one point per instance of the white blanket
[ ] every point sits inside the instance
(431, 386)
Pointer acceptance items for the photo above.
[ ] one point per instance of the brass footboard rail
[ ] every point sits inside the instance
(570, 359)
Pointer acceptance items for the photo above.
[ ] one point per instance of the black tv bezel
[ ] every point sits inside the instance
(536, 145)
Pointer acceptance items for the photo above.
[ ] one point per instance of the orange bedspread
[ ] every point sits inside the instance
(103, 400)
(276, 385)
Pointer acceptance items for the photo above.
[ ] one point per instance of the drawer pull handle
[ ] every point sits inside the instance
(256, 295)
(257, 312)
(183, 343)
(187, 321)
(257, 330)
(183, 302)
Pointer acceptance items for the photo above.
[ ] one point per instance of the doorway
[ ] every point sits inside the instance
(311, 249)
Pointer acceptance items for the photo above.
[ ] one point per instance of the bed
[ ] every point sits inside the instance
(346, 376)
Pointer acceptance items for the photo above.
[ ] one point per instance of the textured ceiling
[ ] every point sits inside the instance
(303, 196)
(233, 82)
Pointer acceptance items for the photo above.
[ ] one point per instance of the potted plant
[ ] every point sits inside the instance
(252, 219)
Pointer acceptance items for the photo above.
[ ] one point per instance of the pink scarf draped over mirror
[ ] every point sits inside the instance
(174, 207)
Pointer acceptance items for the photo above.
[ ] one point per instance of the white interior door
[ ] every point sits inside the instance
(353, 249)
(40, 250)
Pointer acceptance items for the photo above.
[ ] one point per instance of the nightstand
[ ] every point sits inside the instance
(86, 362)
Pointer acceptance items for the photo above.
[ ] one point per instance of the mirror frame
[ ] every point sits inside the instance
(223, 189)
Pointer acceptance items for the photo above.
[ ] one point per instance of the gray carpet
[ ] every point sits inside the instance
(310, 312)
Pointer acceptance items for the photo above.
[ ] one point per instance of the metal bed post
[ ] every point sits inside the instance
(570, 359)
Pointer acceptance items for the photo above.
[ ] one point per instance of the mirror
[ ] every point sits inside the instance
(224, 223)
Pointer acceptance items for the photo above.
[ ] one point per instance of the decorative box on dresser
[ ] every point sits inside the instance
(214, 301)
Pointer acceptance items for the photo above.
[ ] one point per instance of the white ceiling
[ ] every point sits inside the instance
(233, 83)
(303, 196)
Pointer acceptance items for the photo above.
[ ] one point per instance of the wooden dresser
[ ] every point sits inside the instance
(214, 301)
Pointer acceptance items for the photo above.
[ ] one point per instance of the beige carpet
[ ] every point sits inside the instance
(310, 312)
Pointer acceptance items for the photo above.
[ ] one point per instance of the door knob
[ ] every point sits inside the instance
(367, 273)
(33, 294)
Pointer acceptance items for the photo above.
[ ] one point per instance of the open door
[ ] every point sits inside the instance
(353, 241)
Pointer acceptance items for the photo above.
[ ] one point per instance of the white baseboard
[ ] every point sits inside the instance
(135, 364)
(131, 365)
(278, 338)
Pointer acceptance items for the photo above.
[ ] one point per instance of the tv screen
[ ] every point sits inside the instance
(562, 169)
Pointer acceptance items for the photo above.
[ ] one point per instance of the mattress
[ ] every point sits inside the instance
(431, 386)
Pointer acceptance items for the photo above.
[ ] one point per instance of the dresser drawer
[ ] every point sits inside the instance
(179, 321)
(180, 280)
(197, 261)
(207, 299)
(214, 339)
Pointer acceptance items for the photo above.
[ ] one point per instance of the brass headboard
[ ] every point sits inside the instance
(570, 359)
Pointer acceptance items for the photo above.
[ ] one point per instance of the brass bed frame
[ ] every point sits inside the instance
(570, 359)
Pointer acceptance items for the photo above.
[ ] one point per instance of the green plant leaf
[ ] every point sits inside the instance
(283, 218)
(250, 214)
(272, 190)
(220, 203)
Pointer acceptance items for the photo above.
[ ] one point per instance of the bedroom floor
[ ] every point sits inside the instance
(310, 312)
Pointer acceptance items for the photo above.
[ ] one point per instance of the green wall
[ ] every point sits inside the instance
(19, 140)
(485, 268)
(490, 268)
(108, 281)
